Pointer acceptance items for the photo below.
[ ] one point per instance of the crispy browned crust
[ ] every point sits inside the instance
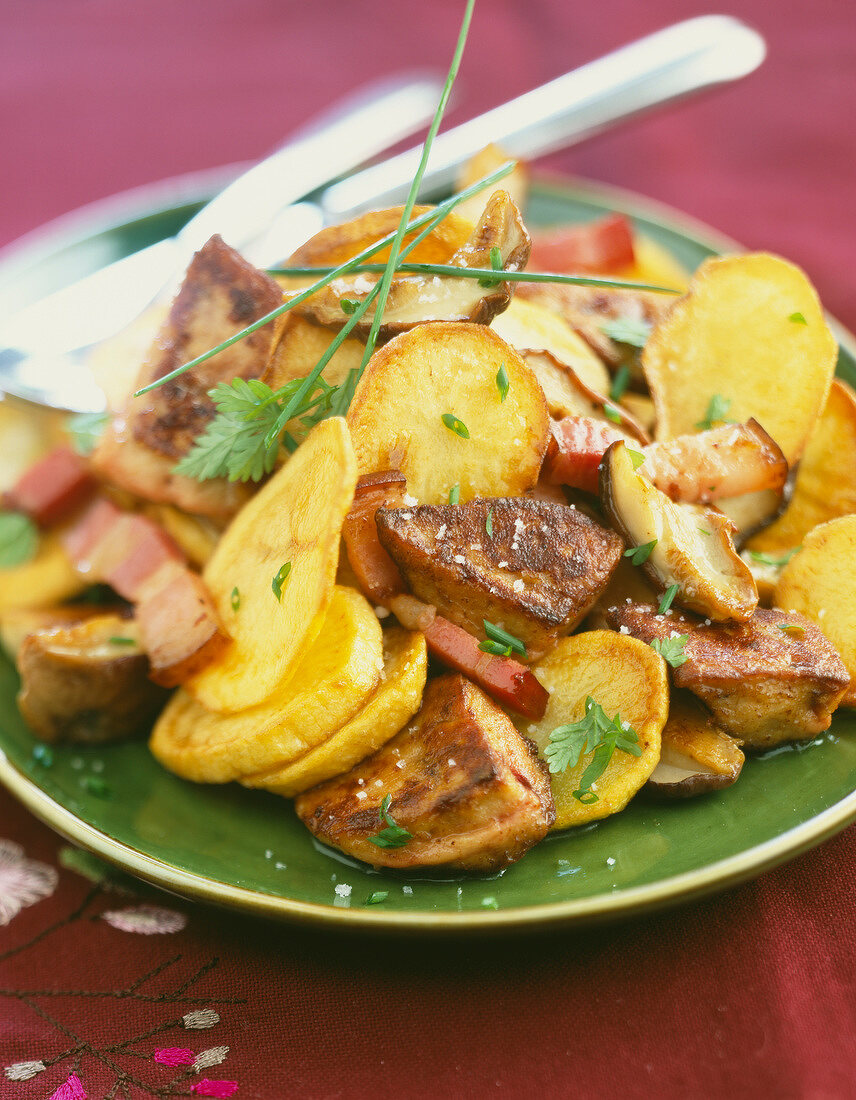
(586, 308)
(763, 684)
(468, 787)
(220, 295)
(559, 559)
(73, 689)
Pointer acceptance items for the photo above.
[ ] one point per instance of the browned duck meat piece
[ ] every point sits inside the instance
(533, 567)
(460, 787)
(773, 678)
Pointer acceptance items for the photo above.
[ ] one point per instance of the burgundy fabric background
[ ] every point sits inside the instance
(747, 995)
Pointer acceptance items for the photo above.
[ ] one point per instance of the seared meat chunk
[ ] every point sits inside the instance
(468, 788)
(220, 295)
(87, 683)
(535, 568)
(773, 678)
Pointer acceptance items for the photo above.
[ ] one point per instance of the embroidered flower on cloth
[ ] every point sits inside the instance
(70, 1089)
(23, 881)
(214, 1088)
(146, 920)
(201, 1018)
(174, 1056)
(23, 1071)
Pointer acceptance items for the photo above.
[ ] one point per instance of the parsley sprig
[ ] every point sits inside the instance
(777, 560)
(627, 330)
(640, 554)
(19, 539)
(717, 409)
(594, 733)
(672, 649)
(393, 836)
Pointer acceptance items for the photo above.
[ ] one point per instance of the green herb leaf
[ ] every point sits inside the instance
(393, 836)
(636, 457)
(280, 579)
(43, 754)
(798, 319)
(672, 649)
(777, 560)
(454, 494)
(455, 425)
(627, 330)
(620, 382)
(703, 531)
(495, 648)
(496, 265)
(640, 554)
(717, 407)
(85, 430)
(488, 523)
(668, 596)
(502, 382)
(504, 638)
(597, 734)
(611, 413)
(792, 628)
(119, 640)
(19, 539)
(377, 896)
(235, 598)
(349, 305)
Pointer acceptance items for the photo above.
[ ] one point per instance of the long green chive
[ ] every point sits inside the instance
(504, 638)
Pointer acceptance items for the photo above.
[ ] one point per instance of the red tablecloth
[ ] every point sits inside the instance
(750, 994)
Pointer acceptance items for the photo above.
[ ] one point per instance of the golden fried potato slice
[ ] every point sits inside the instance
(751, 330)
(696, 756)
(45, 580)
(296, 517)
(825, 487)
(655, 265)
(297, 346)
(818, 583)
(487, 160)
(626, 677)
(531, 326)
(395, 701)
(27, 434)
(196, 536)
(429, 405)
(332, 680)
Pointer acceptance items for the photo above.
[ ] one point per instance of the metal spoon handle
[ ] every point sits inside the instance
(663, 67)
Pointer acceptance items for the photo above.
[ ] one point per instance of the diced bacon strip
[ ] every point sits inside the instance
(81, 540)
(695, 469)
(376, 572)
(52, 488)
(599, 247)
(581, 444)
(508, 681)
(176, 654)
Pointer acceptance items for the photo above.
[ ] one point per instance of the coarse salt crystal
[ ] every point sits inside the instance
(441, 531)
(410, 501)
(459, 558)
(624, 630)
(361, 795)
(518, 586)
(343, 890)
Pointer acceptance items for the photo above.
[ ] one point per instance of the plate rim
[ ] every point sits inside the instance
(149, 199)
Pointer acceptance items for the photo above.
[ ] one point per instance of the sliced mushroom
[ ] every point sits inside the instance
(87, 683)
(692, 547)
(696, 756)
(416, 299)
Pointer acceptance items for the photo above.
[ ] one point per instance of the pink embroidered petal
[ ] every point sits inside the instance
(70, 1089)
(22, 881)
(145, 920)
(175, 1056)
(214, 1088)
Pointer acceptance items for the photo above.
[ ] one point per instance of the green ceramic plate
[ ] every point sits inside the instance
(246, 849)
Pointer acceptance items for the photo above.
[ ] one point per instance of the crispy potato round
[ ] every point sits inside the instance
(626, 677)
(333, 679)
(297, 517)
(825, 487)
(298, 344)
(445, 374)
(818, 583)
(393, 704)
(751, 330)
(530, 326)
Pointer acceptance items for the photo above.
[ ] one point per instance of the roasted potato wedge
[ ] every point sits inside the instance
(468, 789)
(774, 678)
(818, 583)
(696, 756)
(439, 375)
(538, 572)
(737, 335)
(394, 702)
(825, 485)
(196, 537)
(295, 518)
(297, 346)
(333, 679)
(86, 682)
(626, 678)
(45, 580)
(691, 545)
(531, 326)
(17, 623)
(487, 160)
